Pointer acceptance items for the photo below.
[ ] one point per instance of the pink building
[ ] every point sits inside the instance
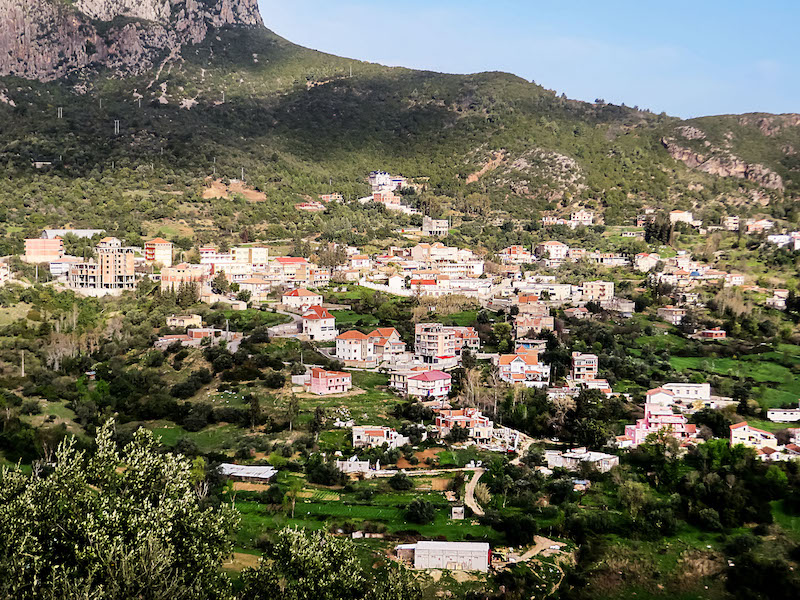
(325, 382)
(40, 250)
(430, 384)
(656, 418)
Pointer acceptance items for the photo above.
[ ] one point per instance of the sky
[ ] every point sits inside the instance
(687, 58)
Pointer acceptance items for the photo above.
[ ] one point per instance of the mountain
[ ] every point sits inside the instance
(202, 88)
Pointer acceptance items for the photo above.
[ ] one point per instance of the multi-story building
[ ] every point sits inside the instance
(43, 250)
(658, 418)
(433, 340)
(112, 273)
(681, 216)
(301, 299)
(672, 314)
(184, 321)
(324, 382)
(381, 344)
(730, 223)
(524, 368)
(465, 338)
(429, 385)
(184, 273)
(713, 334)
(435, 227)
(377, 436)
(526, 324)
(319, 325)
(645, 261)
(598, 291)
(553, 250)
(581, 217)
(158, 251)
(478, 426)
(516, 255)
(584, 366)
(749, 436)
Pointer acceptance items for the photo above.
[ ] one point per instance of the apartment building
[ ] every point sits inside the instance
(752, 437)
(524, 369)
(581, 217)
(681, 216)
(658, 418)
(184, 273)
(672, 314)
(112, 273)
(432, 340)
(158, 251)
(184, 321)
(584, 366)
(42, 250)
(597, 291)
(553, 250)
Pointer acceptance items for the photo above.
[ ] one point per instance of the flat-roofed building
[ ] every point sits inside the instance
(158, 251)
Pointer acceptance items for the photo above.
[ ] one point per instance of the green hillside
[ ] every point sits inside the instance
(295, 119)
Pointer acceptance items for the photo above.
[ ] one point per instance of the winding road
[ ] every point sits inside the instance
(469, 496)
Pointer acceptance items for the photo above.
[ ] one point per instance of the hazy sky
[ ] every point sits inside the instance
(688, 58)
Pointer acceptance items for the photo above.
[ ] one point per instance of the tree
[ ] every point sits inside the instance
(401, 482)
(421, 511)
(292, 410)
(633, 495)
(254, 411)
(112, 525)
(313, 565)
(219, 284)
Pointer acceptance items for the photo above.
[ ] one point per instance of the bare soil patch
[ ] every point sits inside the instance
(217, 189)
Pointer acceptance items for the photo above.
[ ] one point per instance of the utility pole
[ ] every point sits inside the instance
(37, 272)
(242, 174)
(223, 96)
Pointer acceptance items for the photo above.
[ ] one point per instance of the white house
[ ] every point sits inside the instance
(784, 415)
(429, 384)
(681, 216)
(742, 433)
(319, 324)
(572, 459)
(377, 436)
(301, 299)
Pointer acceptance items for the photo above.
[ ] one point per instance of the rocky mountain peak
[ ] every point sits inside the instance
(49, 39)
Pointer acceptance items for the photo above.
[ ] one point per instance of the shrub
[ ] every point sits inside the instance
(401, 482)
(421, 511)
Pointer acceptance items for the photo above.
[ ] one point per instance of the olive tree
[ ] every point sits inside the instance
(112, 525)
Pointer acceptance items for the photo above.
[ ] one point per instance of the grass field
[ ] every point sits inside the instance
(348, 317)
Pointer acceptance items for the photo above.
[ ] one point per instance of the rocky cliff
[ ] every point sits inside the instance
(48, 39)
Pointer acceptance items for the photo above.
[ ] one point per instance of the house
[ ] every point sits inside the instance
(645, 261)
(744, 434)
(158, 251)
(672, 314)
(524, 325)
(658, 418)
(324, 383)
(784, 415)
(453, 556)
(184, 321)
(376, 437)
(465, 338)
(335, 197)
(353, 346)
(429, 385)
(734, 279)
(576, 313)
(681, 216)
(301, 299)
(524, 369)
(515, 255)
(43, 250)
(249, 473)
(386, 343)
(689, 393)
(713, 334)
(758, 226)
(435, 227)
(554, 250)
(581, 217)
(319, 325)
(478, 426)
(353, 466)
(730, 223)
(360, 261)
(573, 459)
(584, 366)
(259, 287)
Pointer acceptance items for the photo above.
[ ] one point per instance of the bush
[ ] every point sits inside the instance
(421, 511)
(401, 482)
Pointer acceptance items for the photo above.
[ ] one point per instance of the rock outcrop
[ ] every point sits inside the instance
(723, 164)
(48, 39)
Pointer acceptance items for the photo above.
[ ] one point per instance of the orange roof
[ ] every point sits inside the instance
(158, 241)
(300, 292)
(318, 373)
(286, 260)
(352, 335)
(530, 358)
(317, 312)
(384, 332)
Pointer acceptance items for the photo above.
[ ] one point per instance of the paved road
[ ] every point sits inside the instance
(287, 329)
(469, 497)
